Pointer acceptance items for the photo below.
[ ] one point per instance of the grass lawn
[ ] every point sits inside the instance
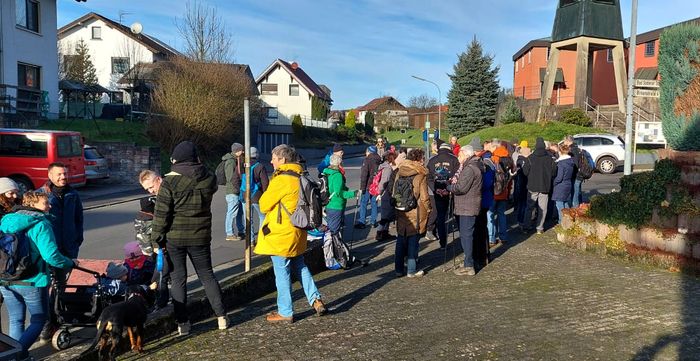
(102, 130)
(414, 137)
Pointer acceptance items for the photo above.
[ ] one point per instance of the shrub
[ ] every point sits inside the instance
(575, 116)
(351, 119)
(512, 113)
(297, 126)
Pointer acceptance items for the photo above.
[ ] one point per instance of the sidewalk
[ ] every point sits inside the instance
(537, 300)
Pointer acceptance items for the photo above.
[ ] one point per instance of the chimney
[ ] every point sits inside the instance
(295, 66)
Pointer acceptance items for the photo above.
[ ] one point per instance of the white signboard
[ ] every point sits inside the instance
(646, 83)
(647, 93)
(649, 133)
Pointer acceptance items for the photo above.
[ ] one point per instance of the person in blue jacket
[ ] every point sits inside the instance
(32, 293)
(563, 181)
(326, 162)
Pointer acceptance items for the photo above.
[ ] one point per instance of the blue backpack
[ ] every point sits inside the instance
(253, 187)
(15, 260)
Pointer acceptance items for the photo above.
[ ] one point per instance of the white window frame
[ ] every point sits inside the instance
(647, 53)
(92, 32)
(269, 92)
(296, 86)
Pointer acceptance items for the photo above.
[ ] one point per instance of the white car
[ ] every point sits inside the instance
(607, 150)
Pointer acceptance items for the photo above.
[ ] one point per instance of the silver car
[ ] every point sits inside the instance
(95, 164)
(607, 150)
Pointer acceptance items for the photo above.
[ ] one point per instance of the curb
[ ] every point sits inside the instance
(236, 291)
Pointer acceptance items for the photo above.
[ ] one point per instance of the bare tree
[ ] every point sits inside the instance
(423, 101)
(205, 34)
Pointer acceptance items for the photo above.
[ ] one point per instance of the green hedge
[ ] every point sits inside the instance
(575, 116)
(678, 53)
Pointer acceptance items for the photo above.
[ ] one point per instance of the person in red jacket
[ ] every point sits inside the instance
(497, 214)
(455, 146)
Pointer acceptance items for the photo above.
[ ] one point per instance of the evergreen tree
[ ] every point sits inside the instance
(350, 120)
(369, 122)
(79, 67)
(511, 112)
(473, 97)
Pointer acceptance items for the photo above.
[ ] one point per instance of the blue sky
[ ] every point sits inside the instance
(362, 49)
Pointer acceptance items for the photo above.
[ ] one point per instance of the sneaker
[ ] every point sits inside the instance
(430, 236)
(465, 271)
(183, 329)
(232, 238)
(416, 275)
(47, 332)
(241, 236)
(223, 322)
(380, 236)
(540, 232)
(360, 226)
(276, 317)
(319, 307)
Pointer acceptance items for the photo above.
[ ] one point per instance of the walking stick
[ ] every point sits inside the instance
(354, 219)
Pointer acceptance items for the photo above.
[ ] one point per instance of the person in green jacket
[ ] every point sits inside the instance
(339, 194)
(32, 293)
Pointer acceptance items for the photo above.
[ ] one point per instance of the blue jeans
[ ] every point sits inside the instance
(283, 268)
(497, 222)
(334, 219)
(561, 205)
(261, 218)
(466, 236)
(577, 197)
(18, 300)
(366, 197)
(406, 246)
(234, 209)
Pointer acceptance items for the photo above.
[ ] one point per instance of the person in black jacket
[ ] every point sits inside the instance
(440, 169)
(369, 169)
(539, 168)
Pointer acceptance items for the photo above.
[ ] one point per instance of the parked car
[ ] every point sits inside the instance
(25, 155)
(607, 150)
(95, 164)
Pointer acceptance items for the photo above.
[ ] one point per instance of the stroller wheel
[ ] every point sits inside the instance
(61, 339)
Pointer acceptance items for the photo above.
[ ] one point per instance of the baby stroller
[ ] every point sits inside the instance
(78, 306)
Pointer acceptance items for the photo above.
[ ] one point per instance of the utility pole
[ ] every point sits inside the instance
(630, 91)
(249, 180)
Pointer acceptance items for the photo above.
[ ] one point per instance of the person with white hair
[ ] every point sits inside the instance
(339, 194)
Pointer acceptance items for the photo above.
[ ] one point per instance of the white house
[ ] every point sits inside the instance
(114, 48)
(28, 65)
(286, 90)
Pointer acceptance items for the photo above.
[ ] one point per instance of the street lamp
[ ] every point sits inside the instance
(439, 102)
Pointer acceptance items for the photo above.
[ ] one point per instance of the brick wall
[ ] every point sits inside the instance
(127, 160)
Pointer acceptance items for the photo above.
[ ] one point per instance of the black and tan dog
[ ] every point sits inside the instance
(130, 314)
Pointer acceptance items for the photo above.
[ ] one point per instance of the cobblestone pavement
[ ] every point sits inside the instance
(538, 300)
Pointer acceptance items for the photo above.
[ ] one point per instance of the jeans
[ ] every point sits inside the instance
(19, 299)
(442, 205)
(561, 205)
(283, 268)
(334, 219)
(539, 200)
(261, 218)
(466, 236)
(366, 197)
(406, 246)
(497, 222)
(234, 209)
(577, 197)
(201, 260)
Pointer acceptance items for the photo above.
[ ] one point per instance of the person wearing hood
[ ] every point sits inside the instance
(386, 183)
(182, 218)
(9, 192)
(281, 240)
(31, 293)
(563, 181)
(440, 169)
(369, 168)
(233, 169)
(539, 168)
(339, 194)
(411, 224)
(488, 177)
(520, 194)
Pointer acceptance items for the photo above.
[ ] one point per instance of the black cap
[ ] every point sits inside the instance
(184, 152)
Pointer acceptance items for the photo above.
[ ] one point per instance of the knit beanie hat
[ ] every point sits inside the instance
(132, 249)
(254, 152)
(337, 147)
(372, 149)
(523, 144)
(446, 146)
(184, 152)
(7, 184)
(115, 271)
(476, 144)
(236, 147)
(539, 143)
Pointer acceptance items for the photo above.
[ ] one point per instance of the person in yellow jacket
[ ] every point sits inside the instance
(281, 240)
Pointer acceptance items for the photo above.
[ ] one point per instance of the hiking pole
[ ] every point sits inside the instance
(354, 219)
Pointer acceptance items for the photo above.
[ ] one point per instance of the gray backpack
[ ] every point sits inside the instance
(308, 214)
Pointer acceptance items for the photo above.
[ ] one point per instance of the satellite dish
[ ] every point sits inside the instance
(136, 28)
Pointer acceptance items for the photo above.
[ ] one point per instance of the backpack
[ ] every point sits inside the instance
(585, 164)
(308, 214)
(220, 173)
(402, 197)
(325, 193)
(373, 188)
(503, 176)
(15, 260)
(336, 253)
(254, 188)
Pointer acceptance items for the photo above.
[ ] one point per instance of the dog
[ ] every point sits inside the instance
(130, 314)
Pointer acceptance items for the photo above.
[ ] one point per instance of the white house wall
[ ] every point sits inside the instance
(113, 44)
(287, 106)
(20, 45)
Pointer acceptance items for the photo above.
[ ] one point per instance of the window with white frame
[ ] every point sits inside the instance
(294, 90)
(97, 32)
(268, 89)
(27, 14)
(649, 48)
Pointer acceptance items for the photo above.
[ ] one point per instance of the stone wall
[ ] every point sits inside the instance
(127, 160)
(530, 108)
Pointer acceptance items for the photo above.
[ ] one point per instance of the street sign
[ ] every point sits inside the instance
(646, 83)
(425, 135)
(646, 93)
(427, 124)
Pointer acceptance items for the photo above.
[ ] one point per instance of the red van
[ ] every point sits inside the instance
(25, 155)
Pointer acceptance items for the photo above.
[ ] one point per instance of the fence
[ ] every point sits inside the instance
(306, 121)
